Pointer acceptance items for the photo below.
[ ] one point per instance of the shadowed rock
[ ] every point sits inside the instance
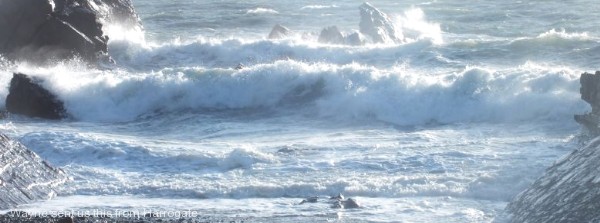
(590, 93)
(45, 30)
(27, 97)
(24, 176)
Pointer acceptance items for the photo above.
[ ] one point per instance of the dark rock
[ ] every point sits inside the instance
(27, 97)
(590, 93)
(24, 176)
(44, 30)
(279, 32)
(351, 203)
(333, 202)
(331, 35)
(310, 200)
(65, 220)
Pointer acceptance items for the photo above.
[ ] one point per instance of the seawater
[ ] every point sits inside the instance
(448, 125)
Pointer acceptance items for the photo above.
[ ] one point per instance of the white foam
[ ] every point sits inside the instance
(262, 11)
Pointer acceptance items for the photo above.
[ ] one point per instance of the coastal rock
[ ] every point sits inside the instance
(24, 176)
(333, 202)
(279, 32)
(355, 39)
(378, 25)
(44, 30)
(27, 97)
(331, 35)
(590, 93)
(569, 191)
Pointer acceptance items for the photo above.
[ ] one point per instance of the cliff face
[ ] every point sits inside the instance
(569, 191)
(24, 176)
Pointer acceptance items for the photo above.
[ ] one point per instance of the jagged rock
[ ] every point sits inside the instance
(355, 39)
(569, 191)
(590, 93)
(331, 35)
(279, 32)
(43, 30)
(24, 176)
(378, 25)
(27, 97)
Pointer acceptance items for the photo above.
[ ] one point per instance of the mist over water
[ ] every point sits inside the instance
(473, 103)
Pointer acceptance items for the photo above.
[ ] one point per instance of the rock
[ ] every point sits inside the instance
(65, 220)
(279, 32)
(333, 202)
(310, 200)
(331, 35)
(590, 93)
(355, 39)
(569, 191)
(378, 25)
(24, 176)
(351, 203)
(27, 97)
(45, 30)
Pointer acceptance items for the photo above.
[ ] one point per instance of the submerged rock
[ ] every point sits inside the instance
(27, 97)
(24, 176)
(279, 32)
(378, 25)
(44, 30)
(333, 202)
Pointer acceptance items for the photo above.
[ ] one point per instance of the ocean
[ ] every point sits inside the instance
(446, 125)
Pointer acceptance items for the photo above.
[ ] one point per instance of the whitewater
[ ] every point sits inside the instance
(446, 124)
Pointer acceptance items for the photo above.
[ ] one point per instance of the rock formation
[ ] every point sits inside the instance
(590, 93)
(378, 25)
(331, 35)
(43, 30)
(279, 32)
(27, 97)
(569, 191)
(24, 176)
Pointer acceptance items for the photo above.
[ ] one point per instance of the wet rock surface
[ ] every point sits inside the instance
(28, 97)
(24, 176)
(590, 93)
(333, 202)
(47, 30)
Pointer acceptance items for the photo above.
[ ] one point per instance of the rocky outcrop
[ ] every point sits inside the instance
(590, 93)
(331, 35)
(27, 97)
(569, 191)
(43, 30)
(24, 176)
(279, 32)
(378, 25)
